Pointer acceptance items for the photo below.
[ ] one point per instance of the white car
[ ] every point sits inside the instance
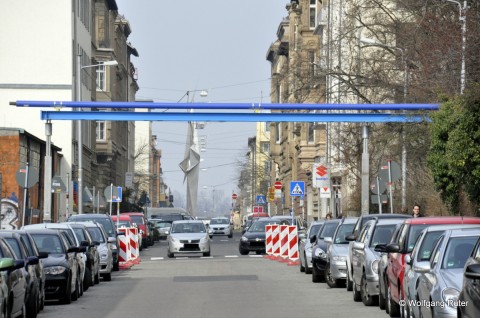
(221, 226)
(305, 247)
(188, 236)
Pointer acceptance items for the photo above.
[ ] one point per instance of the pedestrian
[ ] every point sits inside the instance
(416, 211)
(328, 216)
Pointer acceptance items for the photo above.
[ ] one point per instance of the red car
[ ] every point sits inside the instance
(141, 221)
(402, 245)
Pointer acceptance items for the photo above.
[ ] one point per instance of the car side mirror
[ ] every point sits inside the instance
(112, 240)
(328, 239)
(382, 248)
(350, 237)
(32, 260)
(313, 239)
(73, 249)
(393, 248)
(472, 271)
(302, 236)
(19, 264)
(42, 255)
(358, 245)
(82, 249)
(408, 259)
(422, 267)
(96, 243)
(84, 243)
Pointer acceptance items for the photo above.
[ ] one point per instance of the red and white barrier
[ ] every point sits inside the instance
(124, 246)
(268, 240)
(281, 243)
(134, 248)
(275, 240)
(293, 245)
(284, 242)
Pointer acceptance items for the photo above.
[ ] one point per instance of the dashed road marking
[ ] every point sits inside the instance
(156, 258)
(231, 256)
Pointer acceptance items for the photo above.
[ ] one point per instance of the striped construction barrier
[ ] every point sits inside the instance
(275, 240)
(293, 245)
(268, 240)
(134, 248)
(124, 249)
(283, 243)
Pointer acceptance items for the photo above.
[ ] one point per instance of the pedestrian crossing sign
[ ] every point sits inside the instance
(261, 199)
(297, 188)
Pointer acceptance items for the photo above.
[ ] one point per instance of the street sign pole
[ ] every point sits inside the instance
(67, 197)
(111, 199)
(379, 196)
(390, 184)
(25, 193)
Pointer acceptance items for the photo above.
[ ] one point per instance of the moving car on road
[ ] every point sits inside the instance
(188, 236)
(221, 226)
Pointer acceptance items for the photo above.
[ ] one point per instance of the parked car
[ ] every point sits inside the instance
(126, 221)
(365, 258)
(32, 250)
(253, 240)
(16, 281)
(92, 268)
(141, 221)
(6, 266)
(409, 232)
(98, 233)
(296, 220)
(356, 231)
(221, 226)
(305, 247)
(440, 279)
(73, 240)
(188, 236)
(319, 249)
(421, 252)
(163, 227)
(62, 272)
(33, 281)
(469, 298)
(337, 249)
(107, 223)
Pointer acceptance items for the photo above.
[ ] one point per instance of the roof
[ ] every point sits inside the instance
(444, 220)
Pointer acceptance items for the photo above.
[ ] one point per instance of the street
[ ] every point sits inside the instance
(223, 285)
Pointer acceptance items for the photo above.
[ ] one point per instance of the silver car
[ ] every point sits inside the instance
(305, 247)
(365, 259)
(99, 234)
(441, 279)
(421, 253)
(336, 268)
(188, 236)
(221, 226)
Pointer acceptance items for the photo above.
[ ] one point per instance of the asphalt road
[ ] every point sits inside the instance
(223, 285)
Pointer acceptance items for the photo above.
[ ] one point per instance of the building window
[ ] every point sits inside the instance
(266, 147)
(101, 130)
(313, 14)
(278, 133)
(266, 166)
(101, 78)
(311, 132)
(267, 126)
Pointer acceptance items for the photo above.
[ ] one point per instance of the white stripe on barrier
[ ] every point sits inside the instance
(275, 239)
(292, 243)
(284, 241)
(268, 239)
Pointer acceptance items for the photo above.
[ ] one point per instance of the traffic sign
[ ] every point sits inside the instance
(113, 194)
(278, 185)
(394, 170)
(234, 196)
(258, 209)
(57, 185)
(297, 188)
(261, 199)
(320, 175)
(325, 192)
(32, 177)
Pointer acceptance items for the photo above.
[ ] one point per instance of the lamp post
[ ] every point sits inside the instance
(463, 20)
(78, 93)
(372, 42)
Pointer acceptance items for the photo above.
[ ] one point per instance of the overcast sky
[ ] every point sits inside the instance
(214, 45)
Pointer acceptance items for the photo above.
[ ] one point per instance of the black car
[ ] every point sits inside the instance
(319, 249)
(469, 298)
(62, 280)
(92, 266)
(109, 227)
(253, 240)
(34, 283)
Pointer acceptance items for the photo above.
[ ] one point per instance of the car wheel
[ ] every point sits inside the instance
(349, 281)
(116, 266)
(316, 278)
(97, 278)
(381, 297)
(331, 282)
(76, 294)
(68, 294)
(356, 294)
(230, 235)
(206, 254)
(107, 277)
(366, 298)
(24, 311)
(393, 308)
(32, 305)
(243, 252)
(87, 281)
(42, 298)
(302, 268)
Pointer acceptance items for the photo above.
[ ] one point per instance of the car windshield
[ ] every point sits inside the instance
(137, 219)
(314, 230)
(458, 250)
(343, 231)
(28, 244)
(48, 243)
(219, 221)
(80, 234)
(328, 230)
(259, 226)
(96, 234)
(427, 246)
(123, 223)
(188, 228)
(163, 224)
(415, 231)
(382, 234)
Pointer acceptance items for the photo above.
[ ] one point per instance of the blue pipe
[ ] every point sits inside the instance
(266, 106)
(233, 117)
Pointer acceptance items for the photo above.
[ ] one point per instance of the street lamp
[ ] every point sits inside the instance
(78, 93)
(373, 42)
(463, 20)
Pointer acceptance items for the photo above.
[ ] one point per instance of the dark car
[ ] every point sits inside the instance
(253, 240)
(109, 227)
(16, 282)
(319, 249)
(61, 269)
(470, 293)
(92, 266)
(34, 283)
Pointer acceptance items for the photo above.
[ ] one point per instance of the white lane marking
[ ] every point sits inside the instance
(184, 257)
(156, 258)
(231, 256)
(206, 256)
(257, 256)
(224, 240)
